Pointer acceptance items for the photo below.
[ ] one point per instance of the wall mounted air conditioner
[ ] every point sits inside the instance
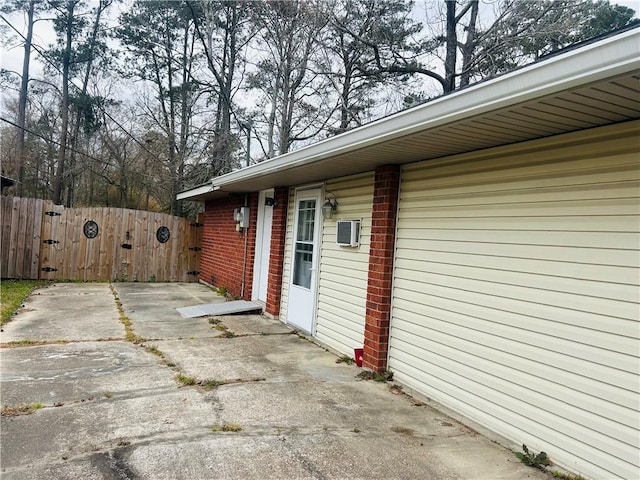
(348, 233)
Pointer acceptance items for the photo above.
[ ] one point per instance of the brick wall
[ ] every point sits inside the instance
(276, 258)
(223, 247)
(381, 251)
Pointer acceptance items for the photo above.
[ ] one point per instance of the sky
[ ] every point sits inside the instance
(11, 53)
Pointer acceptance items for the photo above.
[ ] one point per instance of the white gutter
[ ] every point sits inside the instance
(607, 58)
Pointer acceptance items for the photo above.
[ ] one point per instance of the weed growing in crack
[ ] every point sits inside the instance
(210, 384)
(130, 335)
(185, 380)
(385, 376)
(531, 459)
(33, 343)
(345, 359)
(227, 427)
(17, 410)
(567, 476)
(154, 350)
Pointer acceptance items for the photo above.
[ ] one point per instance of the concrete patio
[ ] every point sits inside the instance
(267, 403)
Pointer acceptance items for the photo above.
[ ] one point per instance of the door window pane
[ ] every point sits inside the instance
(303, 254)
(303, 263)
(306, 219)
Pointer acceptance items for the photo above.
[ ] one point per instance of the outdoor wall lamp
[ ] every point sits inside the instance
(270, 202)
(329, 207)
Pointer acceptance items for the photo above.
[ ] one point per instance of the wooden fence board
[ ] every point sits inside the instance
(15, 238)
(26, 227)
(36, 240)
(105, 240)
(5, 211)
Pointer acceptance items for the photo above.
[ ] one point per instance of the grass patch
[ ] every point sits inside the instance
(17, 410)
(227, 427)
(215, 321)
(13, 293)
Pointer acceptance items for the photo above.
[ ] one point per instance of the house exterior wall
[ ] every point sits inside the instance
(516, 295)
(222, 257)
(342, 288)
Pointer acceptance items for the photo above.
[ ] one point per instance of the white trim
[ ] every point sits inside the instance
(257, 262)
(201, 190)
(607, 58)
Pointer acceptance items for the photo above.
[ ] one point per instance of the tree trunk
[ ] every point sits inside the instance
(22, 102)
(452, 45)
(469, 46)
(66, 62)
(78, 113)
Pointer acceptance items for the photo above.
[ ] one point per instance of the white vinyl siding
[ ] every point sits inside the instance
(288, 248)
(342, 291)
(516, 294)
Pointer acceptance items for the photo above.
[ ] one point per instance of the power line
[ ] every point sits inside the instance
(54, 65)
(100, 160)
(39, 135)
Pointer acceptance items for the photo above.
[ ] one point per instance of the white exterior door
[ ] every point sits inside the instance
(302, 288)
(263, 247)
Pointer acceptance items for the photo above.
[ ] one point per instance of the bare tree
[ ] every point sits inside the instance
(224, 30)
(289, 33)
(159, 37)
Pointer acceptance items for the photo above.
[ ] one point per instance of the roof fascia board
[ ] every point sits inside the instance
(607, 58)
(194, 192)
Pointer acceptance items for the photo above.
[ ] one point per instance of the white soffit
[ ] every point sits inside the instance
(589, 86)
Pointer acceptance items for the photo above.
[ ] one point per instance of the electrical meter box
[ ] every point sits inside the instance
(241, 216)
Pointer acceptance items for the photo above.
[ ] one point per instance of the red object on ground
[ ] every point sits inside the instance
(358, 352)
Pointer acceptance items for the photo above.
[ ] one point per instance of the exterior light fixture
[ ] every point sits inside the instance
(329, 207)
(270, 202)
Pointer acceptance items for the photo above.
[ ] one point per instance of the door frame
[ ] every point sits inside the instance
(317, 249)
(259, 251)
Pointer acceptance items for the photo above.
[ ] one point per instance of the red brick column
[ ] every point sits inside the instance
(381, 251)
(276, 257)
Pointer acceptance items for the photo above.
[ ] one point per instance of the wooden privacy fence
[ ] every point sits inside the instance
(41, 240)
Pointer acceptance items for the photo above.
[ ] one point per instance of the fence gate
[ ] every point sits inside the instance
(47, 241)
